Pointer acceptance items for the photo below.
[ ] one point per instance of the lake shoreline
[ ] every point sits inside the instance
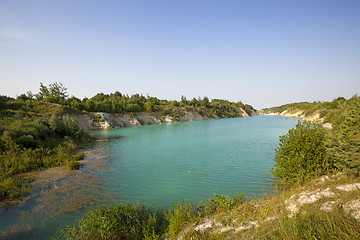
(107, 121)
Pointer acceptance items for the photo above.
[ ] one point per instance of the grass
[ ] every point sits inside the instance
(272, 218)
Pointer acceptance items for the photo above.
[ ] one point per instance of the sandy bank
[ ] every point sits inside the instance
(297, 113)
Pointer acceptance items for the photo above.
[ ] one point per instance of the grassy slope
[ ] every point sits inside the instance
(329, 111)
(272, 218)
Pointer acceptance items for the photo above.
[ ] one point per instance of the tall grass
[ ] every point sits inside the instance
(312, 223)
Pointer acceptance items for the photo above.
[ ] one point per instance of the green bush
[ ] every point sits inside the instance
(14, 187)
(124, 221)
(223, 202)
(79, 157)
(73, 165)
(179, 216)
(301, 155)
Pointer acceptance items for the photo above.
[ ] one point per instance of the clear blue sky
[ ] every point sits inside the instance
(264, 53)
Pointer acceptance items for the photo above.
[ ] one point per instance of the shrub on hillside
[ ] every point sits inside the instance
(301, 155)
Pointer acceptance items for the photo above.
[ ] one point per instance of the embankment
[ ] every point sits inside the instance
(106, 121)
(298, 113)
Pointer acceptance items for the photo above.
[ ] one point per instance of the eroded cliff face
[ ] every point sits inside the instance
(106, 121)
(315, 117)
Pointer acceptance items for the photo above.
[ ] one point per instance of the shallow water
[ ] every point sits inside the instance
(158, 165)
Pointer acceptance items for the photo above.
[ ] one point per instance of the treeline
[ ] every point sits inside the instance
(123, 103)
(309, 151)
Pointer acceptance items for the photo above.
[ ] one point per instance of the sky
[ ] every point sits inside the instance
(263, 53)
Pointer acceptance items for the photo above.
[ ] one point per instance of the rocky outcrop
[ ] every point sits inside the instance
(106, 121)
(326, 194)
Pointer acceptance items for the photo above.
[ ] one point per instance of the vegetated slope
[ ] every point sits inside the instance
(318, 197)
(327, 112)
(31, 142)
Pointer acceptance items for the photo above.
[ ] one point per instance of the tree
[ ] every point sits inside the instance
(56, 92)
(149, 106)
(90, 105)
(183, 101)
(301, 155)
(133, 107)
(205, 102)
(43, 92)
(3, 100)
(345, 144)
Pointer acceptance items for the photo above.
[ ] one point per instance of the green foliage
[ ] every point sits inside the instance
(343, 142)
(222, 202)
(73, 165)
(14, 187)
(179, 216)
(55, 93)
(301, 155)
(127, 221)
(124, 221)
(30, 142)
(330, 111)
(53, 99)
(79, 157)
(133, 107)
(314, 224)
(344, 145)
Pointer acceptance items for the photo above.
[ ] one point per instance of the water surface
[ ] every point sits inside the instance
(158, 165)
(163, 164)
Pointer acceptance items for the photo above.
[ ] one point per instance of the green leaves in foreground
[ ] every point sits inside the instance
(223, 202)
(116, 222)
(300, 155)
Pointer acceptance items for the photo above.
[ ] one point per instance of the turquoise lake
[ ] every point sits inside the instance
(163, 164)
